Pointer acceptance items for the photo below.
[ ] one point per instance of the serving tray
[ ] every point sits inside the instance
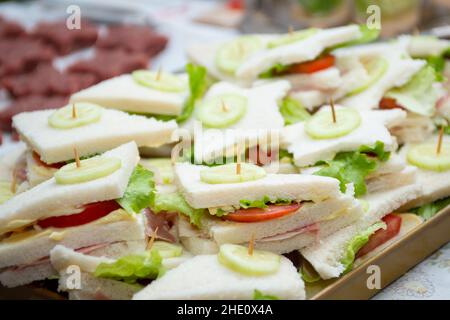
(393, 262)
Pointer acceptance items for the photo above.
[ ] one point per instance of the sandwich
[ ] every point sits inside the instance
(117, 277)
(352, 146)
(155, 94)
(88, 205)
(52, 135)
(295, 56)
(235, 273)
(12, 171)
(336, 254)
(396, 80)
(280, 212)
(231, 115)
(432, 160)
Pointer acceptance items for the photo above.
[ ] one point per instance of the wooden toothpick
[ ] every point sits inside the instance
(251, 245)
(439, 144)
(290, 30)
(238, 160)
(77, 157)
(333, 111)
(158, 74)
(152, 239)
(74, 111)
(14, 182)
(224, 106)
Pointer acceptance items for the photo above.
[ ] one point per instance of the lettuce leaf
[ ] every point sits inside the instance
(293, 112)
(354, 167)
(139, 191)
(274, 71)
(357, 243)
(430, 209)
(418, 95)
(258, 295)
(130, 268)
(438, 65)
(174, 202)
(197, 87)
(262, 203)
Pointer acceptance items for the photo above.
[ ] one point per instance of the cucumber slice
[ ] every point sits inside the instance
(237, 259)
(161, 81)
(292, 37)
(222, 111)
(90, 169)
(321, 125)
(375, 69)
(230, 55)
(86, 113)
(425, 157)
(5, 191)
(166, 249)
(227, 173)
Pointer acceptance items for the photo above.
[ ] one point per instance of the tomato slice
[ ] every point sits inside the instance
(90, 213)
(320, 63)
(389, 103)
(273, 211)
(38, 160)
(393, 223)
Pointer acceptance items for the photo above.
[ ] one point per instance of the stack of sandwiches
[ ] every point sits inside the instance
(352, 153)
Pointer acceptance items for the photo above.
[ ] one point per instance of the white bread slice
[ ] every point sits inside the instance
(91, 286)
(262, 116)
(326, 255)
(28, 247)
(393, 180)
(424, 46)
(308, 214)
(44, 199)
(414, 129)
(36, 173)
(9, 158)
(13, 277)
(203, 277)
(296, 52)
(124, 93)
(113, 129)
(276, 186)
(435, 185)
(400, 69)
(308, 151)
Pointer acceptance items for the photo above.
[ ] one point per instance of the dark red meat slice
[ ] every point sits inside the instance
(46, 80)
(163, 221)
(22, 55)
(9, 29)
(29, 103)
(111, 63)
(133, 38)
(64, 40)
